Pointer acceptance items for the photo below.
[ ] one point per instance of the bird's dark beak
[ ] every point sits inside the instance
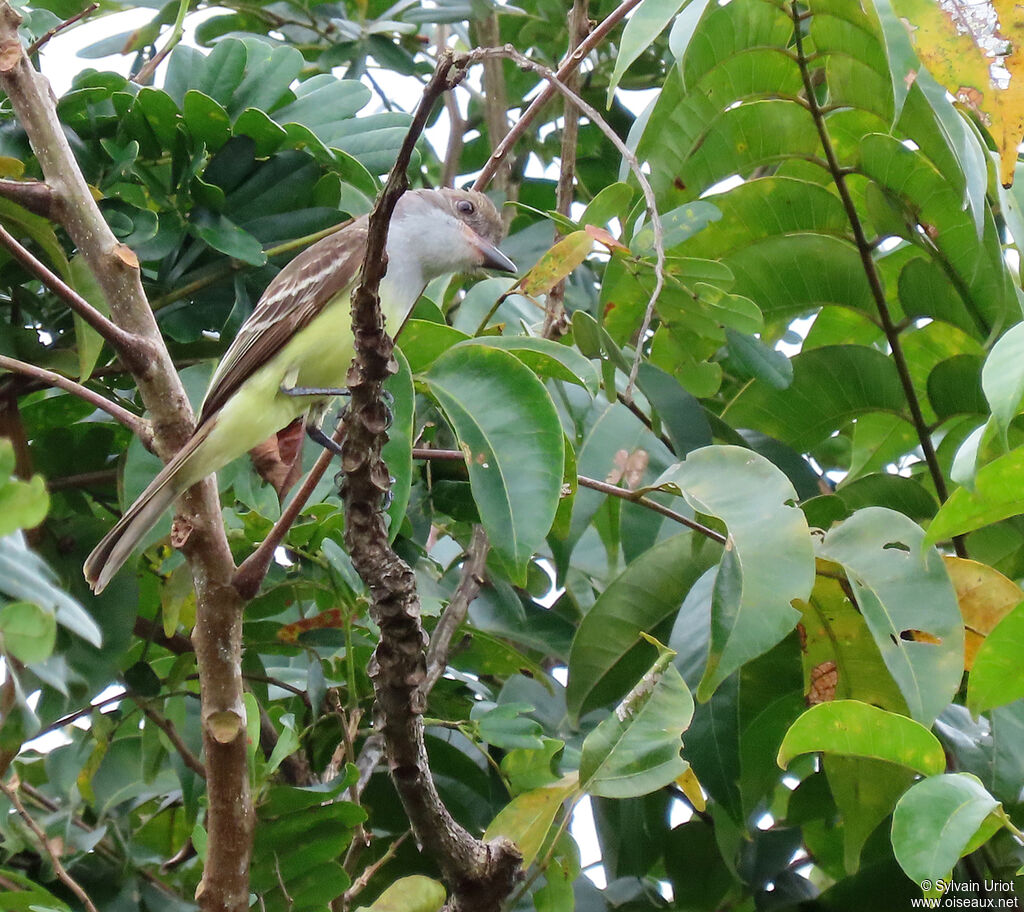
(490, 256)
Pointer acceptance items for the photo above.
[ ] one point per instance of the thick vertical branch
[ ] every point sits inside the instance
(218, 631)
(480, 876)
(496, 107)
(554, 316)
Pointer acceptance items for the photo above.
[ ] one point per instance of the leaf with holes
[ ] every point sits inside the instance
(906, 597)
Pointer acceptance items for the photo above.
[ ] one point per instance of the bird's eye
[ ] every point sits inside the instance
(465, 207)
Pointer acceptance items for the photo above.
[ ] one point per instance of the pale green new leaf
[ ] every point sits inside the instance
(768, 561)
(850, 728)
(937, 820)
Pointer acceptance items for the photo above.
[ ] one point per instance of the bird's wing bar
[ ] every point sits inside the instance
(291, 302)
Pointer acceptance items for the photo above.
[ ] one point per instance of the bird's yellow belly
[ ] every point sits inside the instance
(314, 358)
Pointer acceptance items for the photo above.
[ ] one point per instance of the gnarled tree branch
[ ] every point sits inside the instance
(480, 875)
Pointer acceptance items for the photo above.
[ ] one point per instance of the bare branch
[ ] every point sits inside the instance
(138, 426)
(594, 484)
(130, 347)
(454, 614)
(554, 316)
(145, 75)
(359, 884)
(167, 727)
(567, 66)
(250, 574)
(33, 195)
(37, 831)
(217, 635)
(34, 47)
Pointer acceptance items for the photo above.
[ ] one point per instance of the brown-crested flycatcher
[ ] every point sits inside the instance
(292, 354)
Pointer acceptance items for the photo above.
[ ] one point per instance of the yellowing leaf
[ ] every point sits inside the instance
(690, 787)
(527, 819)
(557, 263)
(985, 597)
(958, 45)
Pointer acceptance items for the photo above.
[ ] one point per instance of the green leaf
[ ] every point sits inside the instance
(505, 726)
(224, 235)
(23, 504)
(935, 822)
(646, 23)
(636, 750)
(905, 595)
(682, 416)
(903, 63)
(90, 342)
(547, 359)
(678, 226)
(751, 609)
(684, 28)
(268, 74)
(865, 792)
(27, 632)
(757, 361)
(206, 119)
(397, 452)
(610, 202)
(854, 729)
(410, 894)
(287, 743)
(423, 342)
(512, 437)
(322, 103)
(24, 576)
(821, 398)
(998, 493)
(995, 678)
(607, 650)
(1002, 377)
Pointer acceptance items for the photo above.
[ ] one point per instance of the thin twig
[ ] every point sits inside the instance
(250, 574)
(138, 426)
(454, 614)
(145, 74)
(634, 166)
(603, 486)
(363, 879)
(167, 727)
(571, 62)
(127, 344)
(221, 270)
(67, 23)
(864, 249)
(61, 872)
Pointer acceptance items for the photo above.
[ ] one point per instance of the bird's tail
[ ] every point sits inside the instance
(119, 543)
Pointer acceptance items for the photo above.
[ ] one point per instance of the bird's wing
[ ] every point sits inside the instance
(291, 302)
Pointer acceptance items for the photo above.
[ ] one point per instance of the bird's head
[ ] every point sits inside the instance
(449, 231)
